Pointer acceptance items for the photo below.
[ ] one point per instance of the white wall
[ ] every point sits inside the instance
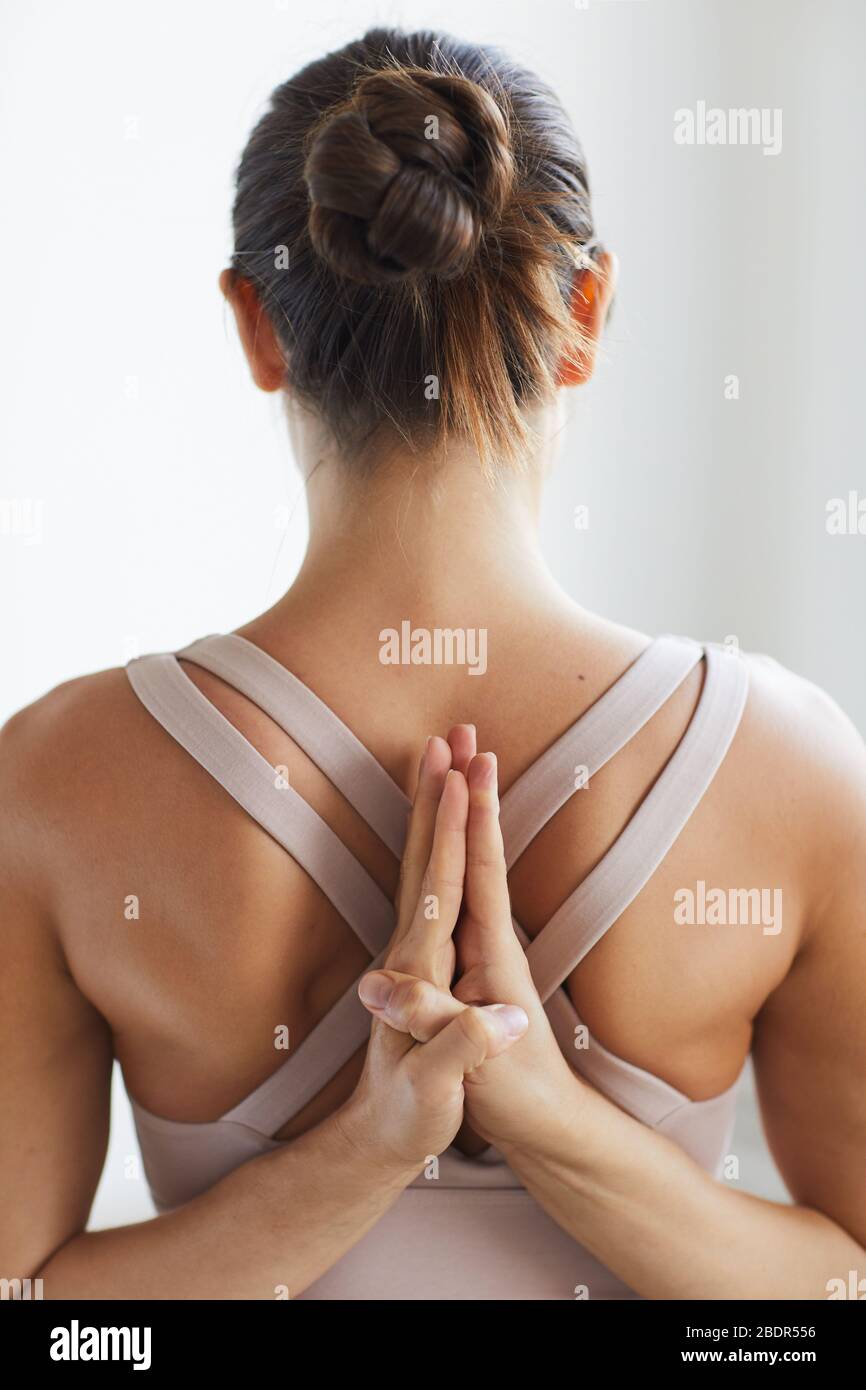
(163, 477)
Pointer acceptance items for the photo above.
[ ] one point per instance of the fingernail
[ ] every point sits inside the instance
(482, 772)
(513, 1020)
(376, 990)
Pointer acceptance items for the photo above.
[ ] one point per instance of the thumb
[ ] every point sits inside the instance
(474, 1036)
(407, 1003)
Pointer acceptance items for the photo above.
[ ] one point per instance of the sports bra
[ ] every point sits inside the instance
(466, 1228)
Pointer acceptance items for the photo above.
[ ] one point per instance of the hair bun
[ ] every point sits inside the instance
(405, 178)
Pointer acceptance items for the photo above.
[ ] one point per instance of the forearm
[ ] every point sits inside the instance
(276, 1223)
(662, 1224)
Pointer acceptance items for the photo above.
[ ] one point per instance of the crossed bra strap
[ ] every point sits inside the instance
(181, 708)
(231, 759)
(324, 737)
(605, 728)
(616, 880)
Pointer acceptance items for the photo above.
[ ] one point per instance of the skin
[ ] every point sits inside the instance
(234, 940)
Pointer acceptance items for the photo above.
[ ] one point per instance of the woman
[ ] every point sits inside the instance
(545, 1106)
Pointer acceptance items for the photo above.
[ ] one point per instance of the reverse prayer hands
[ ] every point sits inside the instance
(435, 974)
(409, 1101)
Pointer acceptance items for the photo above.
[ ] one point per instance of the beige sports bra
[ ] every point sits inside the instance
(466, 1228)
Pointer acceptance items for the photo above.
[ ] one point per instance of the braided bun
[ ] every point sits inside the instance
(405, 178)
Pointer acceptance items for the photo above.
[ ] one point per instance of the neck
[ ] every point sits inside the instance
(435, 542)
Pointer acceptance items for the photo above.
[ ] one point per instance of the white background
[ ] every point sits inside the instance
(161, 482)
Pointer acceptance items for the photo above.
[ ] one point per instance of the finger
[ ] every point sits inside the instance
(462, 742)
(474, 1036)
(407, 1003)
(432, 772)
(419, 951)
(486, 888)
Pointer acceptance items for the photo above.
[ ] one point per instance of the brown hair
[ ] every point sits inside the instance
(434, 204)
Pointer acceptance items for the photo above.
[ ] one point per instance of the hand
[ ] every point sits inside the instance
(511, 1096)
(409, 1100)
(510, 1099)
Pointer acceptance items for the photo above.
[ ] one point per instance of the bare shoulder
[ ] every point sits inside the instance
(805, 731)
(810, 760)
(62, 760)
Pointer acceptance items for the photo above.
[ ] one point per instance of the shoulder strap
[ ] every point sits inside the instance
(605, 728)
(606, 892)
(322, 735)
(194, 723)
(326, 1048)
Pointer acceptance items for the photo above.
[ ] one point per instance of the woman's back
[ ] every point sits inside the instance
(227, 938)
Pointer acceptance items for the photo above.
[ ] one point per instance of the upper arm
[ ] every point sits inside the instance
(810, 1037)
(56, 1048)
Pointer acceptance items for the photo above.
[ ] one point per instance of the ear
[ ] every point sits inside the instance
(591, 296)
(257, 336)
